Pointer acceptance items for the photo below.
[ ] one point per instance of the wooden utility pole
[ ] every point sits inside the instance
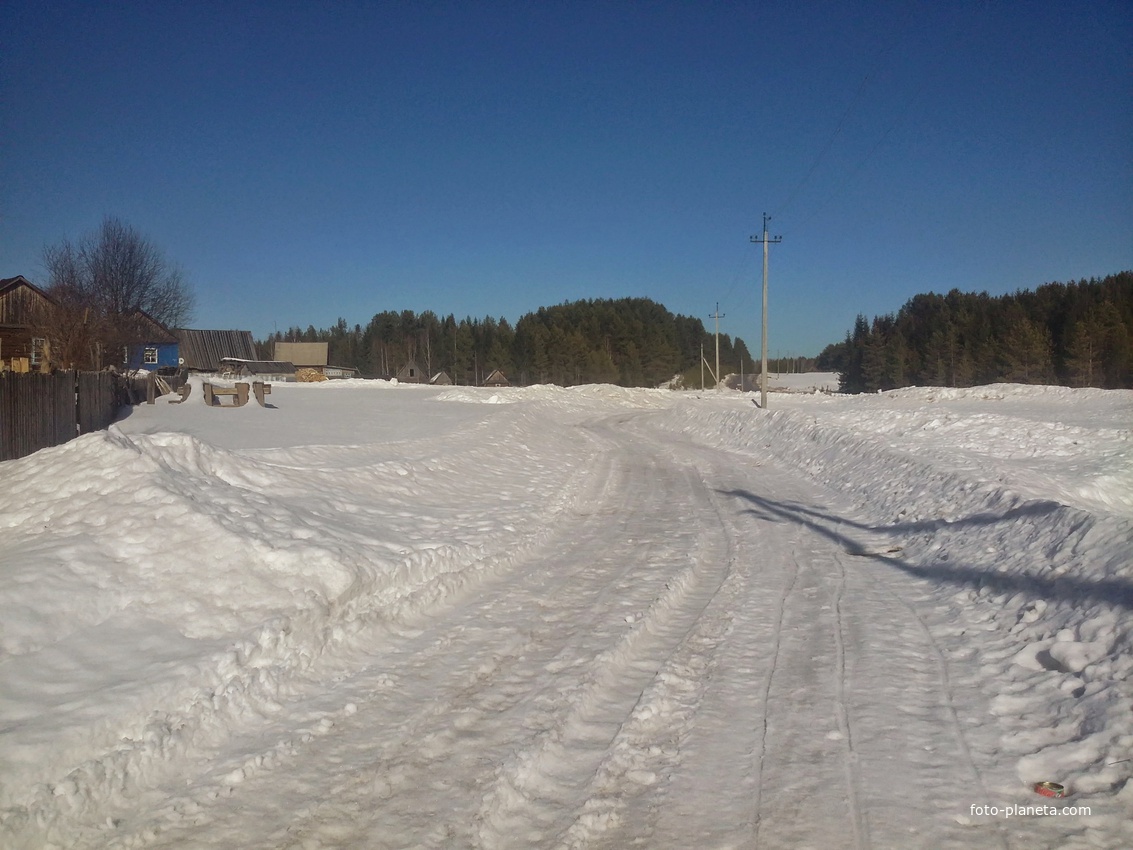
(717, 316)
(766, 240)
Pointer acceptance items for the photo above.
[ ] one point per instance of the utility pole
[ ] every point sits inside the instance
(766, 240)
(717, 316)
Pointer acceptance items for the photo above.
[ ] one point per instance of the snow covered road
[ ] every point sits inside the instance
(632, 634)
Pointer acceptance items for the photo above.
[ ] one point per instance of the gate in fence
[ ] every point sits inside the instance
(37, 411)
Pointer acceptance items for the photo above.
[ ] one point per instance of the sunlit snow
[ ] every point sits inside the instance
(376, 615)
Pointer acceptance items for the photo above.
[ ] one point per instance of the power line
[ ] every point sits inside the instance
(853, 172)
(869, 74)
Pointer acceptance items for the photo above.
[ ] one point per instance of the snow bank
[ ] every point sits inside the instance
(159, 590)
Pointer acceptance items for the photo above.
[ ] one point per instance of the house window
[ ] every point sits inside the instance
(150, 356)
(37, 344)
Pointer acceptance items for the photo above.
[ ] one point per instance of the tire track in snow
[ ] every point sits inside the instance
(768, 681)
(536, 791)
(857, 815)
(944, 688)
(623, 798)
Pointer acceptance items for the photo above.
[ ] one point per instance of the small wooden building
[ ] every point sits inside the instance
(441, 379)
(496, 379)
(411, 373)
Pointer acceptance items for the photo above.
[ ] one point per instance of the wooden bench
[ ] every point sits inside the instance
(261, 390)
(183, 394)
(214, 396)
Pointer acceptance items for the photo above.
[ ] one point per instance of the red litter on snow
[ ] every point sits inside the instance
(1050, 789)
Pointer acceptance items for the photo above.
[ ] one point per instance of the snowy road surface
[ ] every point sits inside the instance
(604, 628)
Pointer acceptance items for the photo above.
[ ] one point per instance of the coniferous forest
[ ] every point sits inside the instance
(1077, 334)
(633, 342)
(1074, 334)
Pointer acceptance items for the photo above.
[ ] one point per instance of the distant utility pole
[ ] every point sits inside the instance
(717, 316)
(766, 240)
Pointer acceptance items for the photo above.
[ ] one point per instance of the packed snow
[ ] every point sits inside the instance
(374, 615)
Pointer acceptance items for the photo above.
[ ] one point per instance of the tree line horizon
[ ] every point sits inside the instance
(1077, 334)
(1074, 334)
(633, 342)
(109, 286)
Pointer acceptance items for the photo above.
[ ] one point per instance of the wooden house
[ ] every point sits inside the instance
(496, 379)
(155, 348)
(23, 309)
(441, 379)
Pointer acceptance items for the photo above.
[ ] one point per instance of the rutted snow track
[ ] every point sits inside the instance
(703, 672)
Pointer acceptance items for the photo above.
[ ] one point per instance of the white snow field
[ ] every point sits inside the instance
(383, 616)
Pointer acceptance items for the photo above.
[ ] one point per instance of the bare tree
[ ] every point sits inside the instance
(101, 286)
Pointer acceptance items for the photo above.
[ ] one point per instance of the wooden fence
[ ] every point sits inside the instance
(37, 411)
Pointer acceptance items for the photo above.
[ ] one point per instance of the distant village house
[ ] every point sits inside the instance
(496, 379)
(312, 355)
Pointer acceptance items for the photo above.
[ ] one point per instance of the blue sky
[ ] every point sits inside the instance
(306, 161)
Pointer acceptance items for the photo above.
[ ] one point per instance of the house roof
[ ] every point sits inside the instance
(150, 329)
(16, 306)
(19, 280)
(411, 368)
(203, 350)
(302, 353)
(497, 378)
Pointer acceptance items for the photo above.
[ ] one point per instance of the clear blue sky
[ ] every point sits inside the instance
(306, 161)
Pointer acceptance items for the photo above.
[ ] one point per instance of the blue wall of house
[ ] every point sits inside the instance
(166, 356)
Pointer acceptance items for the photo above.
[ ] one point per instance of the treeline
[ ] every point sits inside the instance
(1075, 334)
(630, 341)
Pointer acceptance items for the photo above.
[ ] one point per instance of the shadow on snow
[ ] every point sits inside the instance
(1118, 592)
